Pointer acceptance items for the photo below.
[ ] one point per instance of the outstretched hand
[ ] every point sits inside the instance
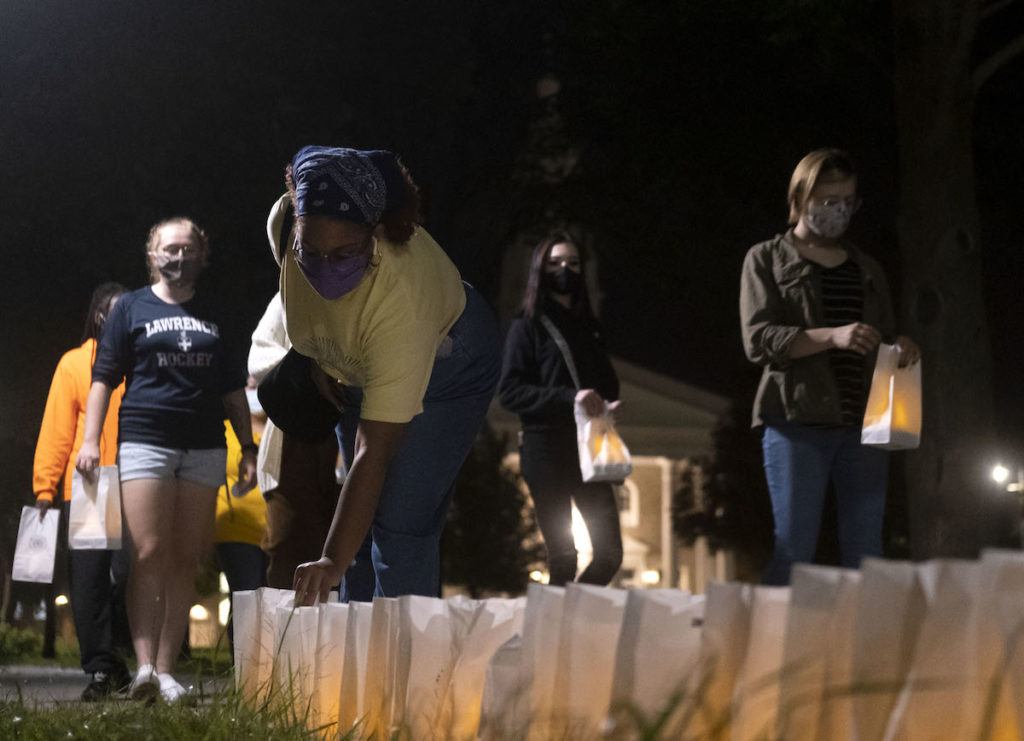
(314, 580)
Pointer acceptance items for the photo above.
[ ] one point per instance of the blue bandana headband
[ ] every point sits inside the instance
(344, 183)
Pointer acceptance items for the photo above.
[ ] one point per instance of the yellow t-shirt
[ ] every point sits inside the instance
(383, 335)
(239, 519)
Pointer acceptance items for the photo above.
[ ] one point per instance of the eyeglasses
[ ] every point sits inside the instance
(310, 257)
(173, 250)
(851, 202)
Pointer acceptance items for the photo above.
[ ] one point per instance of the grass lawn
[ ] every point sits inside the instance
(223, 716)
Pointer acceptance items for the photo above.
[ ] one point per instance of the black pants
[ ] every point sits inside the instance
(300, 510)
(551, 468)
(98, 583)
(245, 567)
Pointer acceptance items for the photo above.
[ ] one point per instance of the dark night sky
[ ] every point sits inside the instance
(687, 124)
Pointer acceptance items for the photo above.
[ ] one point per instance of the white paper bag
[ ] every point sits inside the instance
(815, 686)
(352, 699)
(542, 629)
(94, 519)
(591, 621)
(246, 617)
(603, 455)
(483, 626)
(723, 647)
(36, 549)
(330, 663)
(892, 416)
(657, 658)
(936, 701)
(296, 630)
(756, 695)
(503, 706)
(889, 611)
(381, 669)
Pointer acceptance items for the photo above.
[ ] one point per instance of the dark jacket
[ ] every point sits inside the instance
(780, 295)
(535, 381)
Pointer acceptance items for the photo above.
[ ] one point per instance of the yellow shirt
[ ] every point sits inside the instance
(239, 519)
(383, 335)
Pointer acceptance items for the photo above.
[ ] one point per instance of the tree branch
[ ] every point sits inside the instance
(995, 61)
(994, 7)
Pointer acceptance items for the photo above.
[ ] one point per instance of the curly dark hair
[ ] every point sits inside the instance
(536, 295)
(96, 317)
(402, 212)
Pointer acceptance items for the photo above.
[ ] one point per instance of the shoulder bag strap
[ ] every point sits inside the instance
(563, 346)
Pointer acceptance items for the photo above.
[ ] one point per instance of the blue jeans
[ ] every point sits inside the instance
(400, 554)
(798, 462)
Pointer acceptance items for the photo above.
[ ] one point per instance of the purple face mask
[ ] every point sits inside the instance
(332, 279)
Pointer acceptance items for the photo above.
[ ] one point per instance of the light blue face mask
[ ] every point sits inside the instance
(829, 219)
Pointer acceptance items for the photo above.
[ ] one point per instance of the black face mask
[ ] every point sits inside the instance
(178, 271)
(564, 281)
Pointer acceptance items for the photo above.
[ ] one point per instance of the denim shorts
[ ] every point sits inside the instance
(204, 466)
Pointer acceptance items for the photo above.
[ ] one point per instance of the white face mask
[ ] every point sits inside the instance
(829, 220)
(254, 402)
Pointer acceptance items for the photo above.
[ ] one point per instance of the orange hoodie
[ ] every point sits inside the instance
(63, 427)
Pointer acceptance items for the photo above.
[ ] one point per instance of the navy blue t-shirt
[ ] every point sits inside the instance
(176, 367)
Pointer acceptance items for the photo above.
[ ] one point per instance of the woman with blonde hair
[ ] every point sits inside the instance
(813, 310)
(181, 377)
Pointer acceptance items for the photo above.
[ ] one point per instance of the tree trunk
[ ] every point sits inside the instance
(955, 509)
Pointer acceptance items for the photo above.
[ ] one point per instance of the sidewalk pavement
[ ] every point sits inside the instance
(49, 685)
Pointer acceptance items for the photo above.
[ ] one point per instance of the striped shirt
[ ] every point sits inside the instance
(843, 303)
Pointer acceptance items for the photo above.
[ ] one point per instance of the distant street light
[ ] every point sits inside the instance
(1001, 474)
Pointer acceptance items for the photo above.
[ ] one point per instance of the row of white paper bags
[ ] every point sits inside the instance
(417, 666)
(412, 667)
(894, 651)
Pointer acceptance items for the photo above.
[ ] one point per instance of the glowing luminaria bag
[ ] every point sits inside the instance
(603, 455)
(892, 418)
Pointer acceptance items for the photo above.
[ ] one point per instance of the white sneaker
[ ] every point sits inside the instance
(170, 690)
(145, 685)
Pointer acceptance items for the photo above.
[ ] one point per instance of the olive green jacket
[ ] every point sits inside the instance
(780, 295)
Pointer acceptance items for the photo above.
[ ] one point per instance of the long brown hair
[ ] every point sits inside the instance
(536, 297)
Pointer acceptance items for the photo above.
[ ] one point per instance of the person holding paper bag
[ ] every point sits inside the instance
(98, 577)
(557, 328)
(813, 309)
(181, 379)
